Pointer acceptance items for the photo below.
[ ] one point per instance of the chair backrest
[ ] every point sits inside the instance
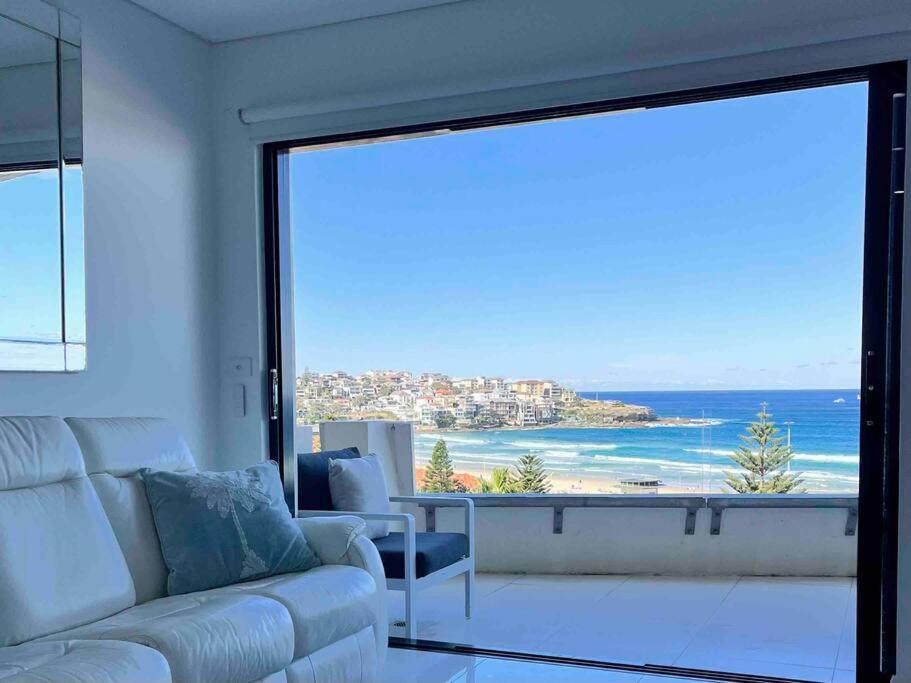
(115, 449)
(60, 563)
(391, 441)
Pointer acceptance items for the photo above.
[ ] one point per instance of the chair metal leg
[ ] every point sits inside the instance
(469, 592)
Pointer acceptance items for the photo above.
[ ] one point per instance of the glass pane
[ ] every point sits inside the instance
(73, 227)
(630, 304)
(30, 296)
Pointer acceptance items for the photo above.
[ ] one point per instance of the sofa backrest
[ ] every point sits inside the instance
(115, 449)
(60, 563)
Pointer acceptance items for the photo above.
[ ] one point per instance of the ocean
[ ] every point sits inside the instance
(824, 437)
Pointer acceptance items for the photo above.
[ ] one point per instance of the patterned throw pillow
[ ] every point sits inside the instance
(219, 528)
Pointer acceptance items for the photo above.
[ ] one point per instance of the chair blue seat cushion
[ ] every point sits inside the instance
(313, 491)
(434, 551)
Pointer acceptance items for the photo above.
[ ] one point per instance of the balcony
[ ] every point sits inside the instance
(761, 585)
(789, 627)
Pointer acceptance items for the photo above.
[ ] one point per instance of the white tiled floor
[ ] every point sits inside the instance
(789, 627)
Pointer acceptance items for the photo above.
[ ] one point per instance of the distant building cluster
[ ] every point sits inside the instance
(431, 399)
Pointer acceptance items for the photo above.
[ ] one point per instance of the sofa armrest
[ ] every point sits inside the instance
(331, 537)
(340, 539)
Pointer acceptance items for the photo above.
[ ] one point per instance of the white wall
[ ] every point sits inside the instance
(480, 57)
(488, 56)
(149, 266)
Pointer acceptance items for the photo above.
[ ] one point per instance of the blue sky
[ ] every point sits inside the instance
(708, 246)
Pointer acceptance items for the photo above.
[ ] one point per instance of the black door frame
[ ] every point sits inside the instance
(878, 490)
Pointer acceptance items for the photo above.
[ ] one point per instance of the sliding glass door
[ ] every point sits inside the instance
(679, 311)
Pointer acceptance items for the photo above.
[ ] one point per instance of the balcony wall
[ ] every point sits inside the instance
(635, 540)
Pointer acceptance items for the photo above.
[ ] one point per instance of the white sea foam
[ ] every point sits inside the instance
(710, 451)
(696, 423)
(563, 445)
(449, 438)
(822, 457)
(806, 457)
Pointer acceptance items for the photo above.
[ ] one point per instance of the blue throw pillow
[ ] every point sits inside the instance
(219, 528)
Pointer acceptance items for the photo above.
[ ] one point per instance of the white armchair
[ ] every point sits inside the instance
(413, 546)
(412, 560)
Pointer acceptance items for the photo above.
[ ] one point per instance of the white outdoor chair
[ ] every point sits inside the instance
(413, 560)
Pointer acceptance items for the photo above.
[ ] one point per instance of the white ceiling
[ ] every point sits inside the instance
(220, 20)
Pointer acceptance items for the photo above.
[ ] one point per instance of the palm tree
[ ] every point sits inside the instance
(501, 481)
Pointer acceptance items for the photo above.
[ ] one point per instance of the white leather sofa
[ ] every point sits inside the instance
(82, 580)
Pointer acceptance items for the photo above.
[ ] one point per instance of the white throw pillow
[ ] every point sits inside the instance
(358, 484)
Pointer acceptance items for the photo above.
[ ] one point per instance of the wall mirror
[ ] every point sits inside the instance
(42, 271)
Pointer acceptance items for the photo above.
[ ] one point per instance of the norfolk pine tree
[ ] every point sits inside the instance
(765, 458)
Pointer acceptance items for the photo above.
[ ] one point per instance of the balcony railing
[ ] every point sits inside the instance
(692, 504)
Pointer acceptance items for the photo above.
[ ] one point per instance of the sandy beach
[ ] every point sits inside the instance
(591, 484)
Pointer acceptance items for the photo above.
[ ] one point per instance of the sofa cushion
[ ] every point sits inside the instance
(115, 450)
(205, 638)
(35, 451)
(351, 660)
(127, 507)
(433, 551)
(313, 477)
(83, 661)
(60, 564)
(218, 528)
(121, 446)
(326, 604)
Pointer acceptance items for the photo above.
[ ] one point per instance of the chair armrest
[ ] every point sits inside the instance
(436, 501)
(446, 501)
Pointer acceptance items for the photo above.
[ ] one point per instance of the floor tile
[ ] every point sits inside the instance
(796, 627)
(411, 666)
(847, 646)
(609, 580)
(646, 620)
(496, 670)
(517, 616)
(785, 620)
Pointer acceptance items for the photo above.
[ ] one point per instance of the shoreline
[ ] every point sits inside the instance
(562, 483)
